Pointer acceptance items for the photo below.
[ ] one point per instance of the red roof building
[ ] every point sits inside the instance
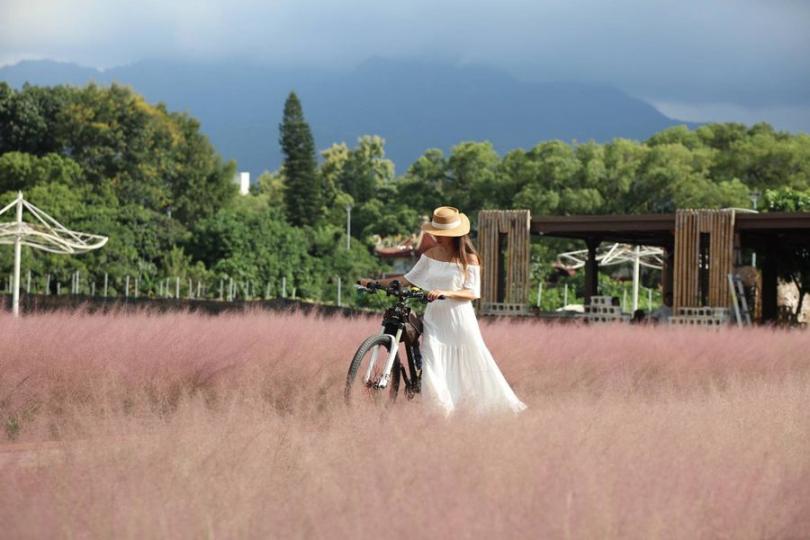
(402, 253)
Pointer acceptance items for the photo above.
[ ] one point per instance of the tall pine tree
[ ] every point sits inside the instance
(302, 197)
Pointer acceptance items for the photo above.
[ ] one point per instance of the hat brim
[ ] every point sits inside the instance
(460, 230)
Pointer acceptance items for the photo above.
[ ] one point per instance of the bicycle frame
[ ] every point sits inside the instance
(395, 329)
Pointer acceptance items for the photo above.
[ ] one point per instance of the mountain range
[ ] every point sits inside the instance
(413, 104)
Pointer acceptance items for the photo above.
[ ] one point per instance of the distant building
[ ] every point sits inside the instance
(242, 179)
(403, 252)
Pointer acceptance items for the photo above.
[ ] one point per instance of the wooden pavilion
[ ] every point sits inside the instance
(701, 248)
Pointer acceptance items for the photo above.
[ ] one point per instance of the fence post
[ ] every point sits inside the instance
(126, 288)
(137, 285)
(284, 286)
(539, 293)
(58, 288)
(198, 288)
(105, 284)
(177, 287)
(28, 283)
(338, 291)
(190, 288)
(47, 284)
(565, 295)
(221, 290)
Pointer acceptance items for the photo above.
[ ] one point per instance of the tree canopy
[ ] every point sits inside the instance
(102, 159)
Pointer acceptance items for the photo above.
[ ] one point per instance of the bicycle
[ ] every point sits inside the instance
(399, 324)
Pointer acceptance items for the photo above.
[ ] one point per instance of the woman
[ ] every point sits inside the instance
(458, 369)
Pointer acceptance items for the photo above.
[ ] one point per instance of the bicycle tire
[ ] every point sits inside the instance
(361, 354)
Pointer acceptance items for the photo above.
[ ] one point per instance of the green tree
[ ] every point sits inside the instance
(366, 169)
(270, 186)
(422, 186)
(622, 159)
(331, 169)
(303, 194)
(21, 171)
(471, 174)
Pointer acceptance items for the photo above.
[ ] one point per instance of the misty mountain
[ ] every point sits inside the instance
(414, 105)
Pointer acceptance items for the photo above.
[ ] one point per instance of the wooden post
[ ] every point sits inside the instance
(591, 270)
(636, 276)
(770, 284)
(666, 272)
(504, 245)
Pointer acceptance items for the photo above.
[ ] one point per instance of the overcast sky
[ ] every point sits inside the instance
(744, 60)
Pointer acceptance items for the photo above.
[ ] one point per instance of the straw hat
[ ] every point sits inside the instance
(447, 221)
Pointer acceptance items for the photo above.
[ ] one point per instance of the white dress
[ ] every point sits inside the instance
(458, 370)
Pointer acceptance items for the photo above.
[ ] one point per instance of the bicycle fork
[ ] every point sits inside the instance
(389, 363)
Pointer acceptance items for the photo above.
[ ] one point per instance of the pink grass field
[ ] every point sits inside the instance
(188, 426)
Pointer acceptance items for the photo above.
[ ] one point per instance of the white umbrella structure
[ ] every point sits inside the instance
(649, 256)
(43, 232)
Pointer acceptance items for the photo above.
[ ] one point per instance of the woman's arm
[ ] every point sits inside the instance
(471, 290)
(463, 294)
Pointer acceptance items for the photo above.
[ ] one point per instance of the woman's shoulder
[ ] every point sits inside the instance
(431, 254)
(434, 254)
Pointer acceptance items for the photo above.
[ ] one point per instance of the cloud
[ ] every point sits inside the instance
(751, 53)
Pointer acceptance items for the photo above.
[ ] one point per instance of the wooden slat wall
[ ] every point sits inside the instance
(515, 224)
(689, 224)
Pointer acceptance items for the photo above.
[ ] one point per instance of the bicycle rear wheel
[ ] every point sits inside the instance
(363, 377)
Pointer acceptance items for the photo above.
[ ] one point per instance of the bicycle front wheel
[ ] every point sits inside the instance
(366, 372)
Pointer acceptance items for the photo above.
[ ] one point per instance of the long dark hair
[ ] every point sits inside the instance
(462, 250)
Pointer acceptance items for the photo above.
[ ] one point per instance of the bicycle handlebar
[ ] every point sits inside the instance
(396, 290)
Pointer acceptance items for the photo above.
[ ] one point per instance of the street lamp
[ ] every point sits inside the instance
(348, 227)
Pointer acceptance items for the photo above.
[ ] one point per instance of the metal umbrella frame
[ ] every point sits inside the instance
(648, 256)
(43, 233)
